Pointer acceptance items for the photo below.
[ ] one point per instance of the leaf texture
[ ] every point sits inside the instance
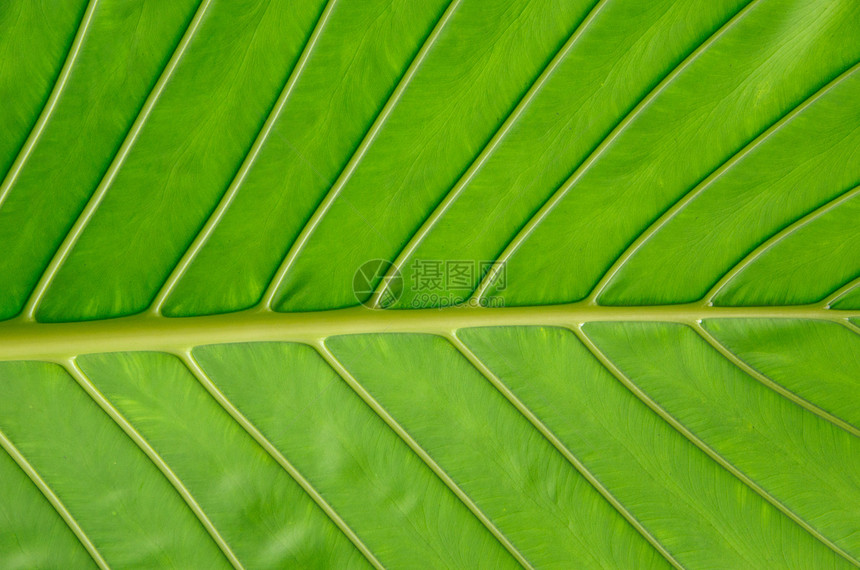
(650, 360)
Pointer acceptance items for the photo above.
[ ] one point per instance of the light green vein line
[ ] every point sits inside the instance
(841, 292)
(850, 325)
(86, 384)
(392, 423)
(95, 200)
(345, 175)
(55, 501)
(714, 176)
(194, 367)
(783, 391)
(247, 163)
(693, 438)
(50, 104)
(544, 430)
(485, 153)
(28, 340)
(586, 165)
(778, 237)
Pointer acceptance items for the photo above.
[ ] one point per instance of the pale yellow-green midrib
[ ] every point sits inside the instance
(28, 340)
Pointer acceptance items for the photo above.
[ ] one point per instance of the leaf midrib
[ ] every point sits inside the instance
(23, 339)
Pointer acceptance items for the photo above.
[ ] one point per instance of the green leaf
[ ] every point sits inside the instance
(436, 284)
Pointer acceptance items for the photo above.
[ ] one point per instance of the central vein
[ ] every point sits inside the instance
(28, 340)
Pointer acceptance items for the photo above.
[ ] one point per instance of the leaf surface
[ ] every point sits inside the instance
(610, 319)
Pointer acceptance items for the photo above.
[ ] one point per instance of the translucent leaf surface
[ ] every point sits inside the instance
(430, 284)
